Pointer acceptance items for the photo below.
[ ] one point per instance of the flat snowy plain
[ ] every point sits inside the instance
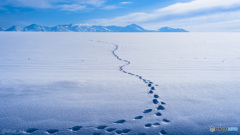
(119, 83)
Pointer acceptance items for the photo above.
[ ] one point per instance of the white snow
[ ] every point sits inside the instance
(61, 80)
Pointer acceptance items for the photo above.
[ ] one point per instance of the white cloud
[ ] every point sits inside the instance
(126, 3)
(30, 3)
(72, 7)
(179, 12)
(217, 22)
(199, 5)
(110, 7)
(96, 3)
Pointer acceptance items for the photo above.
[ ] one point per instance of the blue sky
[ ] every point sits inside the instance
(193, 15)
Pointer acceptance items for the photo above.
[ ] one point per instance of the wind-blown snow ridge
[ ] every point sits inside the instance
(111, 128)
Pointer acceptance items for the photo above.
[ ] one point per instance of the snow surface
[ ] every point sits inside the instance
(63, 80)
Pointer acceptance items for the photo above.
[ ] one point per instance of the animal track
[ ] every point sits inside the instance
(120, 121)
(147, 111)
(123, 131)
(31, 130)
(76, 128)
(163, 132)
(158, 114)
(148, 125)
(101, 127)
(166, 120)
(110, 129)
(152, 88)
(118, 132)
(156, 124)
(155, 101)
(150, 92)
(138, 117)
(126, 130)
(52, 131)
(160, 107)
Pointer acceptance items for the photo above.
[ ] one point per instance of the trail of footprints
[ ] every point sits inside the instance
(108, 128)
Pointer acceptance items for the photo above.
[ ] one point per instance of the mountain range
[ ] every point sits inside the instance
(89, 28)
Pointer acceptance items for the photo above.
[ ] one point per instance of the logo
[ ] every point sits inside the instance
(212, 129)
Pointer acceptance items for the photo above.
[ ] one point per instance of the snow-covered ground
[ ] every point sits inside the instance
(62, 80)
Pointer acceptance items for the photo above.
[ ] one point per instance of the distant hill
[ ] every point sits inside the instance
(14, 28)
(35, 27)
(89, 28)
(168, 29)
(2, 29)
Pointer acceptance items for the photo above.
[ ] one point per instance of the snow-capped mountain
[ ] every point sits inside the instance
(2, 29)
(14, 28)
(134, 28)
(35, 27)
(89, 28)
(168, 29)
(61, 28)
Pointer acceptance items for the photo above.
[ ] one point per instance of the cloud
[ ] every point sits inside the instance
(199, 5)
(124, 3)
(29, 3)
(96, 3)
(72, 7)
(110, 7)
(179, 12)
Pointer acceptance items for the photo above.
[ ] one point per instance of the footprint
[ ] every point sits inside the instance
(76, 128)
(148, 125)
(163, 103)
(110, 129)
(163, 132)
(156, 124)
(150, 92)
(166, 120)
(155, 101)
(160, 107)
(145, 81)
(152, 88)
(118, 132)
(52, 131)
(140, 77)
(126, 130)
(138, 117)
(31, 130)
(147, 111)
(120, 121)
(149, 85)
(158, 114)
(156, 96)
(96, 133)
(101, 127)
